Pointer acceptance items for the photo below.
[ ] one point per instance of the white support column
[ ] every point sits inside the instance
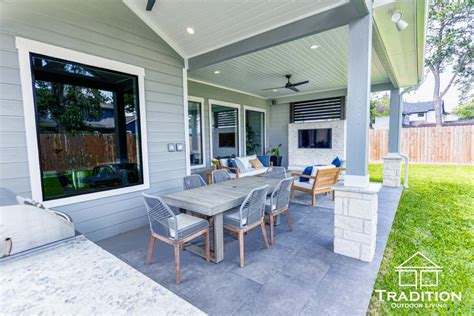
(355, 214)
(392, 163)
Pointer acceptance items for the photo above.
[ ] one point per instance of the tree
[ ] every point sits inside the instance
(68, 106)
(450, 47)
(379, 106)
(466, 110)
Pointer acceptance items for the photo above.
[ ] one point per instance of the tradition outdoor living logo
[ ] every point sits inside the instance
(422, 274)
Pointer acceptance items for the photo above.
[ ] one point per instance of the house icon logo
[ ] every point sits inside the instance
(418, 271)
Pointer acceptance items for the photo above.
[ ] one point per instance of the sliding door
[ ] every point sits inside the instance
(254, 131)
(224, 129)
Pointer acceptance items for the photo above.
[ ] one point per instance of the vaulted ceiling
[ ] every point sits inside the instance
(217, 23)
(397, 57)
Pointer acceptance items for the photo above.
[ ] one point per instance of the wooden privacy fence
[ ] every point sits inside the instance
(438, 145)
(61, 152)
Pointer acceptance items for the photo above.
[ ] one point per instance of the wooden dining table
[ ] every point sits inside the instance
(213, 200)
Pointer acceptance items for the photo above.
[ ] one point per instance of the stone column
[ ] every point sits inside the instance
(355, 221)
(392, 163)
(356, 205)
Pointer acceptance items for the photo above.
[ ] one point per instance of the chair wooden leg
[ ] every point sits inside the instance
(264, 232)
(333, 195)
(272, 228)
(313, 199)
(151, 247)
(208, 246)
(292, 193)
(241, 247)
(288, 219)
(177, 253)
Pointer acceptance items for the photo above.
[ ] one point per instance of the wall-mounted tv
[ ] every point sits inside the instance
(227, 140)
(315, 138)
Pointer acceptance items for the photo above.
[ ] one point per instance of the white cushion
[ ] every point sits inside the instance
(184, 221)
(249, 172)
(246, 160)
(242, 165)
(306, 185)
(224, 162)
(253, 172)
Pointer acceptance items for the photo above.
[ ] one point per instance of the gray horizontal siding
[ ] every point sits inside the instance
(278, 131)
(105, 28)
(209, 92)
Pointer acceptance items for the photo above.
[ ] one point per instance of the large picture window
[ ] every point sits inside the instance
(88, 128)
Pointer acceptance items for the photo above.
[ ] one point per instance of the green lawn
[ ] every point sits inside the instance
(435, 217)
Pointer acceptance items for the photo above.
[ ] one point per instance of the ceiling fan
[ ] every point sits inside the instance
(289, 85)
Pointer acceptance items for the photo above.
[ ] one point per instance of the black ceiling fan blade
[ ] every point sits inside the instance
(293, 89)
(150, 4)
(273, 88)
(299, 83)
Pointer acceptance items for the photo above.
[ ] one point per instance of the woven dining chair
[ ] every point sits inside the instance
(193, 181)
(247, 217)
(278, 203)
(220, 175)
(173, 229)
(275, 173)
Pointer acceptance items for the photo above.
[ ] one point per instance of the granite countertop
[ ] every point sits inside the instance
(79, 277)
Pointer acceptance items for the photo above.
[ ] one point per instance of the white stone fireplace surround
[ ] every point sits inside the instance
(299, 157)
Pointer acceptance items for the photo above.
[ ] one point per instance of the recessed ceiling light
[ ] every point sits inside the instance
(275, 90)
(314, 46)
(217, 72)
(190, 30)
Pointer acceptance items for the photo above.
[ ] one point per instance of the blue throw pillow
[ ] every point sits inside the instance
(307, 171)
(336, 162)
(231, 163)
(265, 160)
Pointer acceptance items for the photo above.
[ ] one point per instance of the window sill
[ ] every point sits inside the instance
(95, 196)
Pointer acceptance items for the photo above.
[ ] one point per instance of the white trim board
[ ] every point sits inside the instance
(227, 88)
(27, 46)
(186, 122)
(203, 136)
(255, 109)
(227, 104)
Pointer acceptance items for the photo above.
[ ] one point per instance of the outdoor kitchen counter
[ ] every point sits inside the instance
(79, 277)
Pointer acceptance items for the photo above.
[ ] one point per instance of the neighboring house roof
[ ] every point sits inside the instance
(420, 107)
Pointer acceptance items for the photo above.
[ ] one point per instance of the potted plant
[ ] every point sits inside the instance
(214, 163)
(276, 156)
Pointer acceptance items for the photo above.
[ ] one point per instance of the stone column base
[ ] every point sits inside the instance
(392, 171)
(355, 221)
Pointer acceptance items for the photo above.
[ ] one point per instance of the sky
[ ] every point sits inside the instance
(425, 92)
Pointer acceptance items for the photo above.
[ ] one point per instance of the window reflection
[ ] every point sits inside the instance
(88, 127)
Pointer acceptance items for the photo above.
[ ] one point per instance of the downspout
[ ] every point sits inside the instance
(405, 157)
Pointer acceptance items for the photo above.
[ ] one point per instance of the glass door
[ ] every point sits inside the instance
(254, 132)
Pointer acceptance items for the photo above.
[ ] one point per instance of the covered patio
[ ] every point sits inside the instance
(299, 274)
(200, 101)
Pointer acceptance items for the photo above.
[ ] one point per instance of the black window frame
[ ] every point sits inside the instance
(32, 55)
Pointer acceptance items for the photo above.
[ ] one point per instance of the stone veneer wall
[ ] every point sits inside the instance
(355, 222)
(306, 157)
(392, 169)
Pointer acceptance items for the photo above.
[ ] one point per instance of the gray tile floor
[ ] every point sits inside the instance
(299, 275)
